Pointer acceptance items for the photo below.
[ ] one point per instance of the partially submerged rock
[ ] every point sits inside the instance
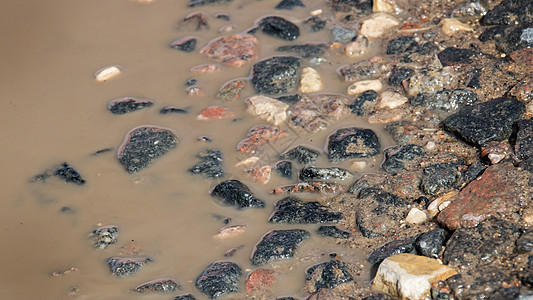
(124, 266)
(235, 193)
(313, 113)
(231, 90)
(430, 243)
(352, 142)
(305, 50)
(294, 211)
(327, 275)
(219, 278)
(278, 27)
(128, 104)
(302, 154)
(447, 100)
(186, 44)
(267, 108)
(332, 231)
(259, 135)
(315, 187)
(276, 75)
(398, 246)
(278, 244)
(104, 236)
(232, 50)
(312, 173)
(210, 164)
(161, 285)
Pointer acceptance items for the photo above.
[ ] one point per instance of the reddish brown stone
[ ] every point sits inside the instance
(231, 90)
(233, 50)
(494, 193)
(260, 280)
(260, 174)
(258, 136)
(523, 90)
(523, 56)
(215, 113)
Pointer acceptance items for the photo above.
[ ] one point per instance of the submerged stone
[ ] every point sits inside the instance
(332, 231)
(284, 169)
(219, 278)
(289, 4)
(231, 90)
(127, 104)
(235, 193)
(184, 297)
(292, 210)
(69, 174)
(194, 3)
(327, 275)
(259, 135)
(316, 112)
(232, 50)
(186, 44)
(352, 142)
(143, 145)
(104, 236)
(392, 248)
(172, 110)
(161, 285)
(315, 23)
(276, 75)
(301, 154)
(342, 35)
(210, 164)
(305, 50)
(278, 27)
(278, 244)
(123, 266)
(312, 173)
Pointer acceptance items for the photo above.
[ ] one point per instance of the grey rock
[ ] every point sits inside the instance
(195, 3)
(400, 45)
(125, 266)
(354, 6)
(315, 23)
(161, 285)
(276, 75)
(447, 100)
(440, 177)
(342, 35)
(312, 173)
(399, 74)
(237, 194)
(187, 44)
(332, 231)
(277, 27)
(292, 210)
(363, 70)
(352, 142)
(284, 169)
(289, 4)
(219, 278)
(172, 110)
(430, 243)
(305, 50)
(301, 154)
(210, 164)
(127, 105)
(278, 244)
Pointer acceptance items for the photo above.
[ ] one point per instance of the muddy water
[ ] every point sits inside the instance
(53, 111)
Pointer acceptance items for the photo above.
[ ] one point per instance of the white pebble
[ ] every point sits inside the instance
(359, 165)
(450, 26)
(392, 100)
(378, 25)
(363, 86)
(416, 216)
(430, 145)
(107, 73)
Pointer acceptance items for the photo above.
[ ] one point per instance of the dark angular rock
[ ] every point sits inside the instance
(473, 171)
(190, 81)
(301, 154)
(235, 193)
(123, 266)
(172, 110)
(332, 231)
(486, 122)
(284, 169)
(362, 6)
(294, 211)
(290, 99)
(194, 3)
(210, 164)
(126, 105)
(447, 100)
(440, 177)
(327, 275)
(186, 44)
(455, 56)
(305, 50)
(224, 17)
(104, 236)
(289, 4)
(315, 23)
(510, 12)
(358, 185)
(161, 285)
(312, 173)
(430, 243)
(278, 244)
(278, 27)
(342, 35)
(363, 70)
(352, 142)
(361, 105)
(474, 80)
(392, 248)
(523, 139)
(219, 278)
(396, 157)
(399, 74)
(402, 131)
(403, 44)
(184, 297)
(427, 48)
(488, 241)
(483, 283)
(276, 75)
(69, 174)
(143, 145)
(525, 242)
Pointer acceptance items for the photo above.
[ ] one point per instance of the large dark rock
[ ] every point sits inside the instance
(278, 27)
(301, 154)
(284, 169)
(332, 231)
(219, 278)
(452, 56)
(486, 122)
(289, 4)
(327, 275)
(362, 104)
(403, 44)
(352, 142)
(128, 104)
(278, 244)
(312, 173)
(430, 243)
(293, 210)
(396, 158)
(143, 145)
(305, 50)
(392, 248)
(276, 75)
(399, 74)
(440, 178)
(487, 282)
(235, 193)
(523, 139)
(509, 38)
(210, 164)
(510, 12)
(123, 266)
(447, 100)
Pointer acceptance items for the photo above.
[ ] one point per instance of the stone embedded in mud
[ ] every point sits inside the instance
(456, 56)
(326, 275)
(210, 164)
(184, 297)
(397, 157)
(161, 285)
(278, 27)
(235, 193)
(172, 110)
(267, 108)
(67, 173)
(259, 135)
(489, 241)
(278, 244)
(186, 44)
(127, 104)
(194, 3)
(289, 4)
(447, 100)
(360, 6)
(473, 171)
(123, 266)
(362, 104)
(439, 178)
(232, 50)
(497, 192)
(377, 25)
(313, 113)
(523, 142)
(509, 12)
(310, 81)
(260, 280)
(392, 248)
(292, 210)
(363, 86)
(429, 81)
(525, 242)
(104, 236)
(315, 23)
(430, 243)
(284, 168)
(316, 187)
(410, 276)
(143, 145)
(301, 154)
(352, 142)
(305, 50)
(219, 278)
(485, 122)
(342, 34)
(392, 100)
(363, 70)
(276, 75)
(403, 44)
(312, 173)
(231, 90)
(399, 74)
(332, 231)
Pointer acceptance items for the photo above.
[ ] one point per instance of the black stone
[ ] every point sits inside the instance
(403, 44)
(305, 50)
(235, 193)
(163, 285)
(126, 105)
(172, 110)
(361, 6)
(284, 169)
(486, 122)
(210, 164)
(440, 177)
(312, 173)
(143, 145)
(522, 139)
(292, 210)
(473, 171)
(219, 278)
(315, 23)
(190, 81)
(430, 243)
(278, 244)
(396, 157)
(363, 70)
(427, 48)
(399, 74)
(360, 106)
(358, 185)
(525, 242)
(447, 100)
(290, 99)
(332, 231)
(455, 56)
(69, 174)
(352, 142)
(184, 44)
(485, 282)
(392, 248)
(194, 3)
(278, 27)
(327, 275)
(184, 297)
(223, 17)
(125, 266)
(289, 4)
(276, 75)
(510, 12)
(301, 154)
(474, 80)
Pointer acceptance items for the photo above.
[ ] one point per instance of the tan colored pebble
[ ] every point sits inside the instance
(435, 205)
(267, 108)
(310, 81)
(107, 73)
(384, 6)
(359, 165)
(363, 86)
(230, 231)
(378, 25)
(357, 48)
(391, 100)
(416, 216)
(248, 161)
(450, 26)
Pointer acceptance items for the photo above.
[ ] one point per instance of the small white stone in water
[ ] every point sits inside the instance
(107, 73)
(357, 48)
(450, 26)
(391, 100)
(363, 86)
(267, 108)
(416, 216)
(378, 25)
(430, 145)
(310, 81)
(359, 165)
